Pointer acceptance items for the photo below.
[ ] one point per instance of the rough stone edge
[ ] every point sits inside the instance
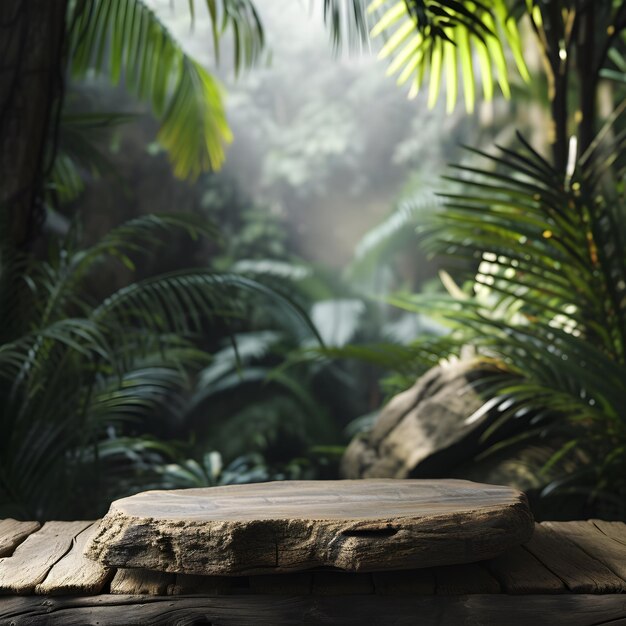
(235, 538)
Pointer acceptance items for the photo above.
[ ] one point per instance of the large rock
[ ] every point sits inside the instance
(364, 525)
(428, 429)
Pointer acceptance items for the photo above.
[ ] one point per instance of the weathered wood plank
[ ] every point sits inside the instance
(456, 580)
(33, 559)
(141, 582)
(476, 610)
(75, 574)
(595, 543)
(190, 584)
(298, 584)
(614, 530)
(417, 582)
(12, 533)
(286, 526)
(341, 584)
(580, 572)
(519, 572)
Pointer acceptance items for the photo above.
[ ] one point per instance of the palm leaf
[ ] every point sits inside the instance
(347, 19)
(378, 245)
(548, 299)
(125, 40)
(441, 38)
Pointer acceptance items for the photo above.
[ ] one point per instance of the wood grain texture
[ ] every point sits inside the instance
(341, 584)
(75, 574)
(614, 530)
(417, 582)
(33, 559)
(141, 582)
(12, 533)
(360, 526)
(595, 543)
(190, 584)
(519, 572)
(477, 610)
(457, 580)
(297, 584)
(580, 572)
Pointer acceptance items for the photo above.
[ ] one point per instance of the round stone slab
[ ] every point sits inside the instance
(351, 525)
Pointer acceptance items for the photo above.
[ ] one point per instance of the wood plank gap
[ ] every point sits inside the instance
(193, 584)
(297, 584)
(341, 584)
(417, 582)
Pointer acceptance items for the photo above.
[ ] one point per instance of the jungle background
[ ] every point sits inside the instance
(229, 238)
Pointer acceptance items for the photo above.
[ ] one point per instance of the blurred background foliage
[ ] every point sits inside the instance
(172, 325)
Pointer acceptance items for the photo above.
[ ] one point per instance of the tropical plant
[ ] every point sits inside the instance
(126, 41)
(436, 38)
(80, 380)
(543, 237)
(548, 300)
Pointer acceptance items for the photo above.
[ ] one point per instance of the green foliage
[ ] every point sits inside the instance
(78, 153)
(81, 380)
(443, 38)
(125, 40)
(541, 242)
(347, 19)
(383, 241)
(548, 300)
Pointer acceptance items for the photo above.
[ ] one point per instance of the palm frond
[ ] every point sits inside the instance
(437, 38)
(78, 380)
(180, 301)
(125, 40)
(548, 298)
(384, 240)
(243, 20)
(555, 248)
(347, 20)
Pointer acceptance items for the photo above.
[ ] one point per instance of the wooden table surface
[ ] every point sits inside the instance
(570, 573)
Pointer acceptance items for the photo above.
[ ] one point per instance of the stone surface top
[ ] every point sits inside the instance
(318, 500)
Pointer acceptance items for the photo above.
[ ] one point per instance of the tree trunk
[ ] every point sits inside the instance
(559, 69)
(31, 70)
(588, 81)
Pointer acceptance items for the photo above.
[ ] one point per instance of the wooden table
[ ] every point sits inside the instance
(570, 573)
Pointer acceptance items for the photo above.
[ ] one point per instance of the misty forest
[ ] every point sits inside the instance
(257, 240)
